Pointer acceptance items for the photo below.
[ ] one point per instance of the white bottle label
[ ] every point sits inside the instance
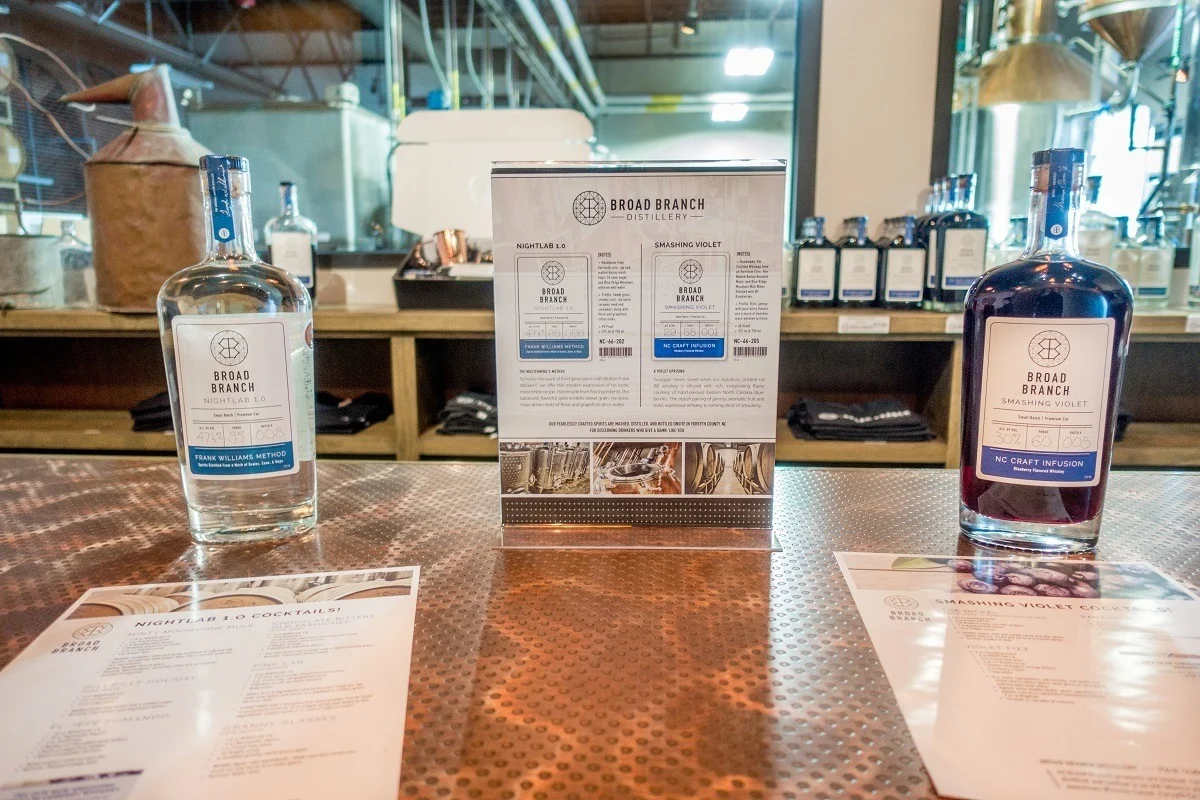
(1043, 400)
(965, 252)
(903, 280)
(294, 252)
(931, 262)
(1125, 263)
(1154, 278)
(814, 273)
(1097, 246)
(859, 273)
(245, 393)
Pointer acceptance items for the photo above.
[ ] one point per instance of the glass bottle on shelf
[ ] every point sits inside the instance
(1013, 245)
(1156, 259)
(959, 239)
(1097, 230)
(902, 265)
(237, 342)
(79, 274)
(1125, 255)
(292, 238)
(944, 194)
(815, 264)
(1044, 344)
(857, 266)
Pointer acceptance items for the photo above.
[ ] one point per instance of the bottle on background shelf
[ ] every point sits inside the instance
(79, 274)
(902, 265)
(1013, 245)
(292, 238)
(815, 264)
(1044, 344)
(1156, 260)
(945, 192)
(237, 342)
(857, 265)
(1097, 230)
(1125, 255)
(960, 240)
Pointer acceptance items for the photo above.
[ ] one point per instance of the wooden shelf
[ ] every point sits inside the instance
(1159, 444)
(346, 323)
(789, 448)
(37, 429)
(462, 445)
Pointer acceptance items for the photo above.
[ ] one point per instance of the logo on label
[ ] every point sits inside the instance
(229, 348)
(901, 601)
(588, 208)
(553, 272)
(92, 631)
(1049, 348)
(691, 271)
(1056, 230)
(308, 335)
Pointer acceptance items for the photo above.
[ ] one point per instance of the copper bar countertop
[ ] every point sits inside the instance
(601, 673)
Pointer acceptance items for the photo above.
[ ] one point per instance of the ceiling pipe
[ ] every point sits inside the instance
(688, 108)
(709, 98)
(566, 21)
(497, 11)
(546, 39)
(75, 18)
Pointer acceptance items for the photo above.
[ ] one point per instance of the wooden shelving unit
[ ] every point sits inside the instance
(419, 356)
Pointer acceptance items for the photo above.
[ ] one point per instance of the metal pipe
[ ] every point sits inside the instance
(498, 10)
(686, 108)
(566, 21)
(711, 97)
(389, 42)
(75, 18)
(546, 39)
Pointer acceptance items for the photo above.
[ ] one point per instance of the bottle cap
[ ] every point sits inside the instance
(815, 219)
(213, 163)
(965, 180)
(1059, 157)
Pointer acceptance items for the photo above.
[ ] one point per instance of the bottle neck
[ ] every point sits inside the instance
(965, 196)
(1054, 208)
(227, 216)
(289, 200)
(908, 230)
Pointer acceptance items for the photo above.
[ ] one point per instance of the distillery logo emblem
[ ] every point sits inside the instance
(588, 207)
(553, 272)
(1049, 348)
(229, 348)
(901, 601)
(93, 631)
(691, 271)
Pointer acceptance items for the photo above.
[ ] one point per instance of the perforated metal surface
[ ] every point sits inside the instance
(585, 673)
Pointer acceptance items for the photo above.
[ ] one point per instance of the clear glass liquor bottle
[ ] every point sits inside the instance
(1156, 260)
(1125, 255)
(959, 242)
(1097, 230)
(292, 238)
(857, 266)
(902, 265)
(79, 273)
(1014, 243)
(815, 264)
(1044, 346)
(237, 343)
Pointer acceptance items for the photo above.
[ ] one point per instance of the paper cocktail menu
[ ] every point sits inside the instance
(285, 687)
(1020, 678)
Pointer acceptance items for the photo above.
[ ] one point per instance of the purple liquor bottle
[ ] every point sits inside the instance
(1044, 345)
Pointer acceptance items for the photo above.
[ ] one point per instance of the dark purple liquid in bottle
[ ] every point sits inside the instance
(1049, 290)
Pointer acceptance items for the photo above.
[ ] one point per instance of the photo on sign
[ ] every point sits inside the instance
(216, 595)
(729, 468)
(637, 468)
(545, 467)
(1014, 577)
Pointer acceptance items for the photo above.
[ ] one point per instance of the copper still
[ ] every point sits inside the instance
(143, 193)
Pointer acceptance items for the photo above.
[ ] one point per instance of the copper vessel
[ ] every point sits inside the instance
(143, 193)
